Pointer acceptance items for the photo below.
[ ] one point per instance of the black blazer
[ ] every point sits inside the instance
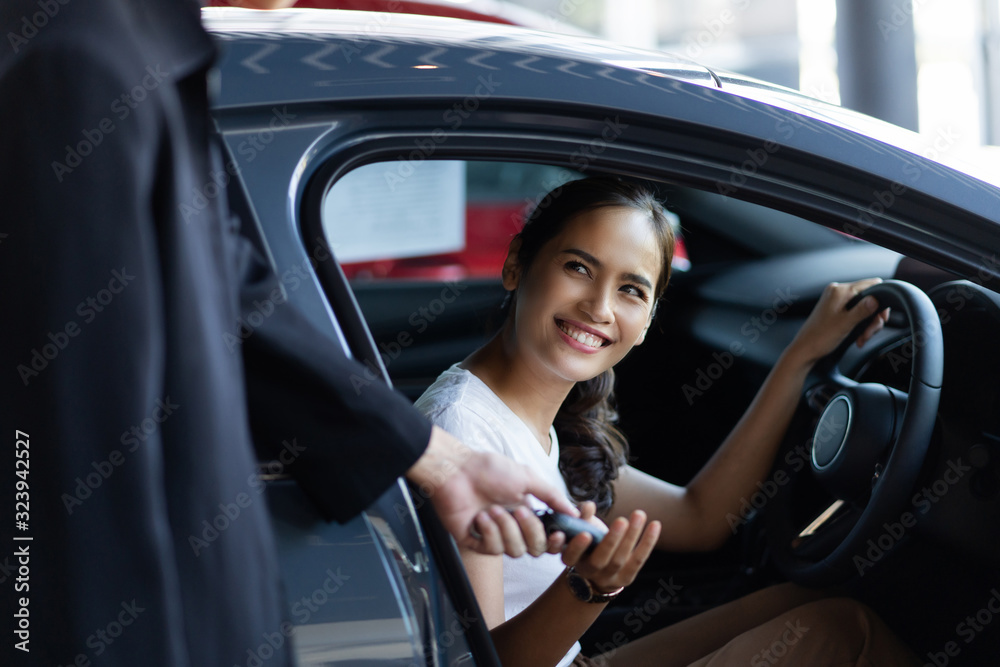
(150, 538)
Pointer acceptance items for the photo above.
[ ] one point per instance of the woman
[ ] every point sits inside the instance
(584, 276)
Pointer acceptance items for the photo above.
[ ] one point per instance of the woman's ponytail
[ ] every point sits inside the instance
(592, 449)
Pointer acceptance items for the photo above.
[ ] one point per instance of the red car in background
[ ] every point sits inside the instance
(405, 7)
(497, 198)
(490, 11)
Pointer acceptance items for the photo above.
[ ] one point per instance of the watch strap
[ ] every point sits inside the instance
(585, 591)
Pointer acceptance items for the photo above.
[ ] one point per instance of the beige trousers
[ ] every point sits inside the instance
(780, 625)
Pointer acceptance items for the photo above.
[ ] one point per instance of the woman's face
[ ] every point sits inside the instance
(587, 297)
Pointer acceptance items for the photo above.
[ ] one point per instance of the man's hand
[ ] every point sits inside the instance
(470, 491)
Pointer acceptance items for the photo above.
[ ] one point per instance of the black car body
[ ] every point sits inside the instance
(777, 194)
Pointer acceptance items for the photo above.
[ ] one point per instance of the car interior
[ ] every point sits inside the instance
(422, 247)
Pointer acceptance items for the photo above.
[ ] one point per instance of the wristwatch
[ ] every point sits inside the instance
(585, 591)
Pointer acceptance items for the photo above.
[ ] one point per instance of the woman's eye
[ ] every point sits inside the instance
(577, 267)
(634, 291)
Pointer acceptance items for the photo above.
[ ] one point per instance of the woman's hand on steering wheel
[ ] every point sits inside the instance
(869, 443)
(831, 320)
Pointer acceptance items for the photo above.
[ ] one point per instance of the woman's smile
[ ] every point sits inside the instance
(582, 338)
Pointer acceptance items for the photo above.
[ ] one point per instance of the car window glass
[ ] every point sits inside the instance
(433, 220)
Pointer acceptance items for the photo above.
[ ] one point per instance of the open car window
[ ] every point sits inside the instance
(436, 219)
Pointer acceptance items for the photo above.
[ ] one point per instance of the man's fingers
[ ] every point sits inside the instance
(588, 510)
(489, 541)
(532, 531)
(510, 530)
(558, 502)
(548, 494)
(556, 542)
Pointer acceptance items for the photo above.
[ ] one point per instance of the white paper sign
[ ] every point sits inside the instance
(390, 210)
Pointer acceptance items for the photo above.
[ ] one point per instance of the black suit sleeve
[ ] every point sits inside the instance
(343, 437)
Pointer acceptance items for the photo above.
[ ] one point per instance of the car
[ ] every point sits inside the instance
(492, 11)
(364, 140)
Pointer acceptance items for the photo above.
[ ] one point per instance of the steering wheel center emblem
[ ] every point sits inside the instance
(831, 432)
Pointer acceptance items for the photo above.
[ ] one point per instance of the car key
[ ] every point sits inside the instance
(571, 526)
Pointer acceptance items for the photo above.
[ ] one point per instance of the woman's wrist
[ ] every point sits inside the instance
(796, 358)
(586, 590)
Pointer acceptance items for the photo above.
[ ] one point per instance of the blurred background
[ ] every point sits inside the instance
(932, 66)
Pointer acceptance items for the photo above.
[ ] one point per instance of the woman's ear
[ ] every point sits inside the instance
(511, 273)
(642, 336)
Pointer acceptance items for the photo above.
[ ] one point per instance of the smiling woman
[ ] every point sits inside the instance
(593, 291)
(583, 279)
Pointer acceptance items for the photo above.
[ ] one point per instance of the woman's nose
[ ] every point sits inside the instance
(599, 305)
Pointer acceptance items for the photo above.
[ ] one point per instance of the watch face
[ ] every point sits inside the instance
(580, 587)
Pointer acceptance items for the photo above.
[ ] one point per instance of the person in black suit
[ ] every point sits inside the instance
(131, 414)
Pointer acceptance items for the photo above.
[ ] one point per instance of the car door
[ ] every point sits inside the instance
(430, 307)
(385, 588)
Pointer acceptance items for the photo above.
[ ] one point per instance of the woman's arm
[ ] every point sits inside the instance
(695, 517)
(542, 633)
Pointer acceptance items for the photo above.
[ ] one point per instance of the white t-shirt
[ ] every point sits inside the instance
(463, 405)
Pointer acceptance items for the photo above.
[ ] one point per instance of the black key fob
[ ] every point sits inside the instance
(571, 526)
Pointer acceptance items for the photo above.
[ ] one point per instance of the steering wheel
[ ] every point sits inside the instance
(867, 451)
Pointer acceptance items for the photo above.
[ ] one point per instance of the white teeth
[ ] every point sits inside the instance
(581, 336)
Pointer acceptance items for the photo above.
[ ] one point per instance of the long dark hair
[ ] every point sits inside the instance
(592, 448)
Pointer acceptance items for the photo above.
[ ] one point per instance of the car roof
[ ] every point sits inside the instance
(363, 29)
(320, 56)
